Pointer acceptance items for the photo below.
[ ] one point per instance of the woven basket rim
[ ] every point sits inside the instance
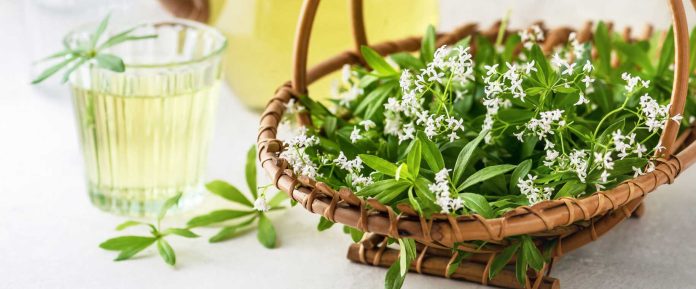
(445, 230)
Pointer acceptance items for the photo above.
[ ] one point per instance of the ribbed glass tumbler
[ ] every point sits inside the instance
(145, 132)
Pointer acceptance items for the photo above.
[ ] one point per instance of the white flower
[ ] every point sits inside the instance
(350, 95)
(558, 62)
(260, 204)
(587, 80)
(604, 160)
(587, 67)
(355, 135)
(407, 132)
(293, 107)
(392, 124)
(568, 68)
(677, 118)
(529, 67)
(632, 81)
(582, 100)
(491, 70)
(603, 177)
(551, 156)
(406, 80)
(345, 73)
(367, 124)
(453, 136)
(640, 150)
(360, 181)
(637, 172)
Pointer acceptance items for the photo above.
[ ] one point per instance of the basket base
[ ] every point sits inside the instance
(639, 212)
(373, 251)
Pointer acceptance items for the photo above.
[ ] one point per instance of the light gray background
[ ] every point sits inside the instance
(49, 232)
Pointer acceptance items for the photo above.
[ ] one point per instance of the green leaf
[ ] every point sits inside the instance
(72, 68)
(128, 245)
(266, 233)
(484, 174)
(407, 61)
(571, 189)
(168, 204)
(428, 46)
(413, 159)
(461, 255)
(666, 53)
(521, 268)
(230, 232)
(465, 156)
(431, 153)
(379, 164)
(635, 54)
(603, 44)
(413, 201)
(128, 224)
(520, 171)
(324, 224)
(376, 62)
(125, 242)
(228, 192)
(355, 234)
(375, 98)
(250, 171)
(58, 54)
(394, 279)
(186, 233)
(377, 187)
(121, 37)
(166, 251)
(478, 204)
(502, 259)
(217, 217)
(531, 253)
(98, 33)
(277, 199)
(407, 253)
(393, 191)
(52, 70)
(110, 62)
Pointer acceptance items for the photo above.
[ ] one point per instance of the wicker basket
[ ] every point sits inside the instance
(567, 223)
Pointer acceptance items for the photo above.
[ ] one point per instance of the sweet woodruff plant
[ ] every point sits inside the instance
(458, 133)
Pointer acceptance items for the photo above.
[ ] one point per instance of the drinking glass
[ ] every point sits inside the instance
(145, 132)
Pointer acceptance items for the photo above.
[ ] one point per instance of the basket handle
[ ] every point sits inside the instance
(681, 57)
(304, 31)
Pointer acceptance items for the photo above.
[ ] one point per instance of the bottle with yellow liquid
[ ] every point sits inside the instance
(261, 33)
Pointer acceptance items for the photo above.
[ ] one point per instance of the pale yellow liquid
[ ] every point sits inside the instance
(261, 33)
(141, 149)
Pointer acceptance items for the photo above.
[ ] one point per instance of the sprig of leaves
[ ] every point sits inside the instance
(129, 246)
(71, 58)
(253, 212)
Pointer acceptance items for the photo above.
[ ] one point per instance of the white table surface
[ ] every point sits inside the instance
(49, 231)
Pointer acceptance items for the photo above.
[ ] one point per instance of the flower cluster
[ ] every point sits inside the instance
(443, 196)
(533, 193)
(404, 116)
(354, 168)
(297, 157)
